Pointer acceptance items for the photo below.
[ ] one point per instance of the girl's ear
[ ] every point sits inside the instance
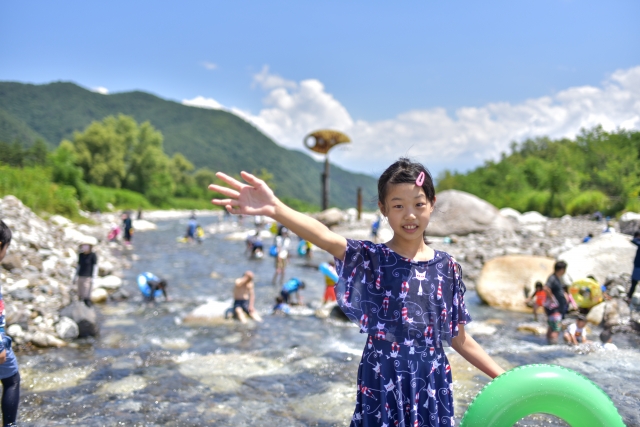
(381, 207)
(433, 204)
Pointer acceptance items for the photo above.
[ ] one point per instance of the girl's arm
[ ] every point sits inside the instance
(256, 198)
(468, 348)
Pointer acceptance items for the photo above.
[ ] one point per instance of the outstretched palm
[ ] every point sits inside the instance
(254, 198)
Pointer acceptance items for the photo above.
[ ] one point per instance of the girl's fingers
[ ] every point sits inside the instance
(230, 180)
(225, 191)
(251, 179)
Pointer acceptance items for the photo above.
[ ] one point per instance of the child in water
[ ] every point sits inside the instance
(406, 296)
(537, 300)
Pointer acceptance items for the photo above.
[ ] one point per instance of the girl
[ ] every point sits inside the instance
(406, 296)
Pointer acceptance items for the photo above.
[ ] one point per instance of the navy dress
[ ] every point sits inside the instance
(410, 310)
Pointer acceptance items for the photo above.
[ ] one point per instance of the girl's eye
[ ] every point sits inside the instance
(420, 205)
(398, 206)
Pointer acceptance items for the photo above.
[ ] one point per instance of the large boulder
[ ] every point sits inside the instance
(503, 280)
(85, 317)
(462, 213)
(211, 313)
(629, 223)
(608, 254)
(331, 217)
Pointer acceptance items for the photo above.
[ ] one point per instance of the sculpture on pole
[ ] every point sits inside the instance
(323, 141)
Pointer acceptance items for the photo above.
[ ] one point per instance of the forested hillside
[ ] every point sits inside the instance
(596, 171)
(214, 139)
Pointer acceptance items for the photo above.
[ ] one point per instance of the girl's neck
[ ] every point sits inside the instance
(416, 250)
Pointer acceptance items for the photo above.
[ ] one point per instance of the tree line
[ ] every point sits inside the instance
(117, 153)
(596, 171)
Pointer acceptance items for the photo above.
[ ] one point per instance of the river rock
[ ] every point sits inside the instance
(143, 225)
(108, 282)
(608, 254)
(11, 261)
(67, 329)
(534, 328)
(59, 220)
(99, 295)
(629, 223)
(461, 213)
(331, 217)
(596, 314)
(210, 313)
(503, 280)
(85, 317)
(22, 295)
(532, 217)
(44, 340)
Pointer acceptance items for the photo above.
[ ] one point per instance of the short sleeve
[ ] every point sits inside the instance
(459, 313)
(355, 275)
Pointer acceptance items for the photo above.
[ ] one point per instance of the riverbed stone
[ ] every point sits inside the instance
(460, 213)
(108, 282)
(503, 280)
(85, 317)
(44, 340)
(331, 217)
(608, 254)
(11, 261)
(22, 295)
(596, 314)
(629, 223)
(67, 329)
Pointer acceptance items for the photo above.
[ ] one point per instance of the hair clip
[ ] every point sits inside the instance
(420, 179)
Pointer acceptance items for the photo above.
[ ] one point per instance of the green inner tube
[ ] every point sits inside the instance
(535, 389)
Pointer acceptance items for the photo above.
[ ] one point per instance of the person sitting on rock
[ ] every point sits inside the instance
(635, 276)
(86, 272)
(576, 333)
(9, 374)
(244, 297)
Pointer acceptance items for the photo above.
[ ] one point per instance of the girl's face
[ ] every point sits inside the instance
(407, 209)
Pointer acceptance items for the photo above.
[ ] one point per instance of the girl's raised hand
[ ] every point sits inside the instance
(253, 198)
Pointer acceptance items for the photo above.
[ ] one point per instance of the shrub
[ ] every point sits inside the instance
(588, 202)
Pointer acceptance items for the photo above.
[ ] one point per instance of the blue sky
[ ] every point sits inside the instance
(441, 82)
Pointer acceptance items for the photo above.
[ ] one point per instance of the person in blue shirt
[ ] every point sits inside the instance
(9, 374)
(152, 287)
(290, 288)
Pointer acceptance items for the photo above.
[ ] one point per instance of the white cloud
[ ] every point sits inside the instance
(210, 66)
(202, 102)
(100, 89)
(441, 140)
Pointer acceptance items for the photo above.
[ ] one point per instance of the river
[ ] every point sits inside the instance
(147, 368)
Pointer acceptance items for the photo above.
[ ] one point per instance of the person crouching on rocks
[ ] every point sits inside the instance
(86, 272)
(9, 374)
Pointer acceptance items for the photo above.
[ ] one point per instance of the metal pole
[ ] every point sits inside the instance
(325, 184)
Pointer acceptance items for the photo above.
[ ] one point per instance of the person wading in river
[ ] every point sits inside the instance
(9, 374)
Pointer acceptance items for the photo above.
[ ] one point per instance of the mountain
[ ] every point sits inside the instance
(215, 139)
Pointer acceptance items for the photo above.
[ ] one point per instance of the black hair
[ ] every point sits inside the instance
(539, 285)
(581, 317)
(279, 299)
(404, 171)
(606, 335)
(163, 283)
(5, 235)
(560, 265)
(302, 285)
(636, 234)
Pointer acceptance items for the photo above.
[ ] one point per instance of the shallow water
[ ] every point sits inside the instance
(147, 368)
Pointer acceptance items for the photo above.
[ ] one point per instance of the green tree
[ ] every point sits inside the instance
(181, 169)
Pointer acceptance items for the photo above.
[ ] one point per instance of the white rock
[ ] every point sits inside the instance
(211, 312)
(143, 225)
(532, 217)
(15, 331)
(78, 237)
(99, 295)
(108, 282)
(460, 213)
(59, 220)
(67, 329)
(49, 264)
(510, 213)
(42, 339)
(604, 255)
